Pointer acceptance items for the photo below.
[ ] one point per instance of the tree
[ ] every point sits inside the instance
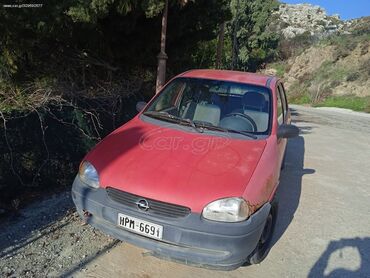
(124, 33)
(253, 42)
(72, 70)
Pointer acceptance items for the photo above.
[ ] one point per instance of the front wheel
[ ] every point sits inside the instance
(264, 244)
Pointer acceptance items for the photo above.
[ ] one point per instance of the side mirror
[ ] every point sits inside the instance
(287, 131)
(140, 105)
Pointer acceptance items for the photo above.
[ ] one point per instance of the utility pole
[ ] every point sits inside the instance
(162, 56)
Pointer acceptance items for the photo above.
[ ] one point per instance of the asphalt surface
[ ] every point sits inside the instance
(323, 227)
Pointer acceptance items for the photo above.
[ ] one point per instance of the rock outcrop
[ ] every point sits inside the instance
(297, 19)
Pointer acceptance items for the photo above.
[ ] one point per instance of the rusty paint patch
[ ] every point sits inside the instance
(267, 190)
(253, 207)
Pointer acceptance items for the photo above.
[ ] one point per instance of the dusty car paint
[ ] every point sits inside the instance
(176, 172)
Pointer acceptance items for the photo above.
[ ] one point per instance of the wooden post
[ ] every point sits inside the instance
(162, 56)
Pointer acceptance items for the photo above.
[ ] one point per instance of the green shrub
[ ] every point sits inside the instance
(349, 102)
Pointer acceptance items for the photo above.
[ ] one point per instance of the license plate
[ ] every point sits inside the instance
(140, 226)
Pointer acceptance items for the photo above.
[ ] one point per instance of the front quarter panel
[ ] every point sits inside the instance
(264, 180)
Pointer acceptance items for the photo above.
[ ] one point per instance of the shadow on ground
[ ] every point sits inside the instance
(336, 250)
(83, 263)
(289, 191)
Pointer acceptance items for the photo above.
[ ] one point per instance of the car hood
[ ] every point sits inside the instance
(175, 166)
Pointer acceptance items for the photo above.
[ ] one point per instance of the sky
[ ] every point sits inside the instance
(347, 9)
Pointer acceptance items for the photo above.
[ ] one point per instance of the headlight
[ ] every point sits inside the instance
(227, 210)
(88, 174)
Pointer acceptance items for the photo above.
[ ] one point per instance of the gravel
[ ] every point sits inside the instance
(48, 239)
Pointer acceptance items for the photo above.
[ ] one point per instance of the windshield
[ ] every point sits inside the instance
(214, 104)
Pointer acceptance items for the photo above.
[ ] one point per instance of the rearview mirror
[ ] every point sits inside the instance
(140, 105)
(287, 131)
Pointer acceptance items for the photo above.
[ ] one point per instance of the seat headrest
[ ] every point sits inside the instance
(254, 100)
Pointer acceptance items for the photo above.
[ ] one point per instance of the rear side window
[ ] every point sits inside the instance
(283, 98)
(280, 110)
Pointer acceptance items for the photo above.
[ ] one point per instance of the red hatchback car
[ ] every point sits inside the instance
(193, 176)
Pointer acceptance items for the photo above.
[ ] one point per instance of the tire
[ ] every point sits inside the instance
(264, 244)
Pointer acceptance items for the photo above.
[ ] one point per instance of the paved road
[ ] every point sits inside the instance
(323, 228)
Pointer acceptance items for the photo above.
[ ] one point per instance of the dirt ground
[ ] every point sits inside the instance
(323, 227)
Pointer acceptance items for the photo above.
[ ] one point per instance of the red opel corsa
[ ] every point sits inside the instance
(193, 176)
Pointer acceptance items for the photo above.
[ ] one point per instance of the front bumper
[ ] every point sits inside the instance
(191, 239)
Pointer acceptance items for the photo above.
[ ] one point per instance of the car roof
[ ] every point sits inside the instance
(233, 76)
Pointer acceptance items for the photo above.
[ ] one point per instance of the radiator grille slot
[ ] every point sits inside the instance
(155, 207)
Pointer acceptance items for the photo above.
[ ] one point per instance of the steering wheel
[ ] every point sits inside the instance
(248, 118)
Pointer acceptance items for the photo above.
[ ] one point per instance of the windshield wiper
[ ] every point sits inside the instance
(160, 114)
(192, 124)
(167, 116)
(197, 126)
(218, 128)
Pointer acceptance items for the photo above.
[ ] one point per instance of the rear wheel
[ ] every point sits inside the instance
(264, 244)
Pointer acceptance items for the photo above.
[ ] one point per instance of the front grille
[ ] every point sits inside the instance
(155, 207)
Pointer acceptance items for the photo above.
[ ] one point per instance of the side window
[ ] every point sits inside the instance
(280, 107)
(283, 98)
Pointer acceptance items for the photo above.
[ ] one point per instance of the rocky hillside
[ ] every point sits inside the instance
(324, 60)
(301, 18)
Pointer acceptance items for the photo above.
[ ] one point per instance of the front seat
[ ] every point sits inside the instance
(205, 112)
(254, 105)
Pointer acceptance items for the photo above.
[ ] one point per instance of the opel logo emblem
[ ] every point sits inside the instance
(142, 204)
